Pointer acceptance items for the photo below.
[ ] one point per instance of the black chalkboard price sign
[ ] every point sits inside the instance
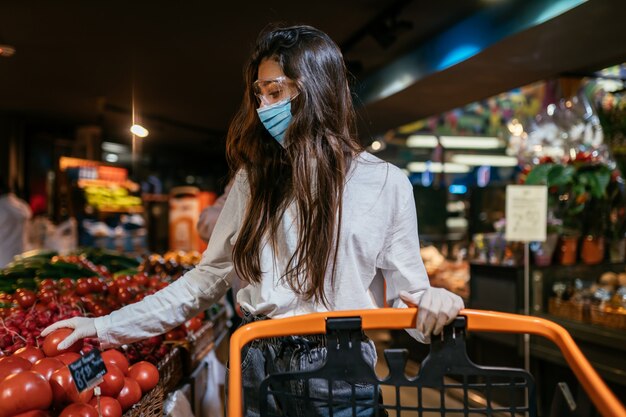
(88, 370)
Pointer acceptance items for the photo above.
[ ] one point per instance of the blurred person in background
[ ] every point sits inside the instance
(208, 216)
(14, 216)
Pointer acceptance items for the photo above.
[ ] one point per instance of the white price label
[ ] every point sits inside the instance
(526, 213)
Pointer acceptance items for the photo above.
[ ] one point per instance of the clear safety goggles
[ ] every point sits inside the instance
(269, 92)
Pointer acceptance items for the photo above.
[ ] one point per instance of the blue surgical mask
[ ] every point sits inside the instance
(276, 119)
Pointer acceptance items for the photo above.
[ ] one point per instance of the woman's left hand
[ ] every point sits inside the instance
(436, 308)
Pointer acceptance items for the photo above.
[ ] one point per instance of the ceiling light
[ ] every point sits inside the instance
(115, 147)
(111, 157)
(456, 223)
(471, 142)
(422, 141)
(437, 167)
(489, 160)
(376, 146)
(139, 130)
(457, 189)
(454, 142)
(7, 51)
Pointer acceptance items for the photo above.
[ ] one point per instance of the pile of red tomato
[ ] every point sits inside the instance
(36, 382)
(34, 377)
(25, 313)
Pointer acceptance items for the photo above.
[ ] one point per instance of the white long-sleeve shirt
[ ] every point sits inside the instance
(378, 239)
(14, 215)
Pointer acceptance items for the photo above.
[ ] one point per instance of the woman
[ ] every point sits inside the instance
(312, 223)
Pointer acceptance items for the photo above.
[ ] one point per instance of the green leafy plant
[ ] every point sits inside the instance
(577, 192)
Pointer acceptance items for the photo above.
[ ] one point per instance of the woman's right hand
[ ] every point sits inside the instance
(83, 327)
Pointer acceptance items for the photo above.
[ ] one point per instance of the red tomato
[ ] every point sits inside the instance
(193, 324)
(13, 364)
(146, 374)
(141, 279)
(116, 358)
(113, 381)
(51, 342)
(30, 353)
(23, 392)
(46, 296)
(130, 394)
(47, 366)
(94, 284)
(63, 389)
(100, 310)
(154, 282)
(79, 410)
(109, 407)
(41, 307)
(68, 357)
(175, 334)
(124, 295)
(25, 298)
(66, 284)
(47, 284)
(82, 286)
(123, 281)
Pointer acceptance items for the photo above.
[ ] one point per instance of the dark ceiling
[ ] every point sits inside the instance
(83, 61)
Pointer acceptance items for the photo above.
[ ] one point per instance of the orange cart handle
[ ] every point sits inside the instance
(404, 318)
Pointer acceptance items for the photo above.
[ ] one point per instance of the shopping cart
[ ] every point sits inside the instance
(446, 370)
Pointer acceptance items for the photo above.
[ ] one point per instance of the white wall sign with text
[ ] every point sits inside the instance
(526, 213)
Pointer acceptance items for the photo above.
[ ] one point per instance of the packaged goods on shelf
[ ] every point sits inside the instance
(602, 302)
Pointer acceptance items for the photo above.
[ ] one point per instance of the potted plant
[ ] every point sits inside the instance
(577, 194)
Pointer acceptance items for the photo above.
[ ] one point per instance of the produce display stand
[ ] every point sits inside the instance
(41, 287)
(171, 370)
(447, 361)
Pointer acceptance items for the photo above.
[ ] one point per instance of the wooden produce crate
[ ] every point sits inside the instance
(171, 370)
(150, 405)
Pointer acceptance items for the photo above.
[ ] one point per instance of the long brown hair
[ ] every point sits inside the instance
(310, 171)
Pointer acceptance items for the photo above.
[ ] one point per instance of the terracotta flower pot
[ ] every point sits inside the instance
(566, 253)
(592, 251)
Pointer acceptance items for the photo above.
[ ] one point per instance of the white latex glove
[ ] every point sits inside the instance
(436, 308)
(83, 327)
